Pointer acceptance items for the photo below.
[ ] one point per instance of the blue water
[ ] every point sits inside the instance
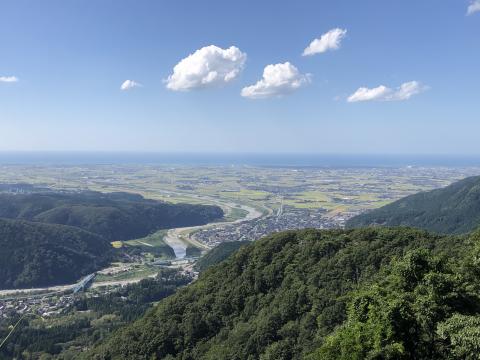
(205, 159)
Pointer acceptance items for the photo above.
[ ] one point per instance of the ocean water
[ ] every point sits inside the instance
(234, 159)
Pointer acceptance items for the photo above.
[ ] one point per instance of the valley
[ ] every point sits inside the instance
(239, 180)
(256, 202)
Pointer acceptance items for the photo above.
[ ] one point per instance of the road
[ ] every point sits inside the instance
(46, 291)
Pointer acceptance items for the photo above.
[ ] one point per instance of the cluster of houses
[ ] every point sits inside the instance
(289, 218)
(43, 306)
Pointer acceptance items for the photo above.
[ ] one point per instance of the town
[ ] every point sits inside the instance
(286, 218)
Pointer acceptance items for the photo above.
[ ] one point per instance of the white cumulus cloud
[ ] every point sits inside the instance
(129, 84)
(473, 7)
(8, 79)
(207, 67)
(277, 80)
(383, 93)
(328, 41)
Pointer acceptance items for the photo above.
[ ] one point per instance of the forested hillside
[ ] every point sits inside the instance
(114, 216)
(421, 307)
(34, 254)
(451, 210)
(218, 254)
(55, 238)
(277, 298)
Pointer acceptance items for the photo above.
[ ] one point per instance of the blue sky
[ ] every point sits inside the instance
(71, 57)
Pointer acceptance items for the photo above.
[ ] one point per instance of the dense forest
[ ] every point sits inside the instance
(114, 216)
(218, 254)
(34, 254)
(89, 321)
(423, 306)
(451, 210)
(283, 296)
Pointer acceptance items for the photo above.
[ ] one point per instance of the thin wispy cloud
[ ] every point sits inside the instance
(278, 80)
(209, 66)
(329, 41)
(383, 93)
(366, 94)
(130, 84)
(8, 79)
(473, 7)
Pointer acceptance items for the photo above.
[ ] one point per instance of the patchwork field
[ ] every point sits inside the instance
(267, 188)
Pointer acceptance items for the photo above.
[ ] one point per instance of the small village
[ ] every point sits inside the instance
(44, 306)
(286, 218)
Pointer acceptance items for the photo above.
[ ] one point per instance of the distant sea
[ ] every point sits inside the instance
(234, 159)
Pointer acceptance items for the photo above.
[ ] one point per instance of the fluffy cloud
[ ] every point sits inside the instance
(473, 7)
(383, 93)
(8, 79)
(207, 67)
(278, 80)
(366, 94)
(328, 41)
(129, 84)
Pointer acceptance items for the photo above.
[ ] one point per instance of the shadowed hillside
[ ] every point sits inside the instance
(218, 254)
(33, 254)
(114, 216)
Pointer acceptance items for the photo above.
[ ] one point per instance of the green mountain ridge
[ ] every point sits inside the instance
(422, 306)
(218, 254)
(277, 298)
(454, 209)
(114, 216)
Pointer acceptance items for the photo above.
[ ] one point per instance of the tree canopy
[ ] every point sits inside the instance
(451, 210)
(277, 298)
(34, 254)
(114, 216)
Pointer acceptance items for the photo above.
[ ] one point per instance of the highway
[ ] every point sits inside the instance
(47, 291)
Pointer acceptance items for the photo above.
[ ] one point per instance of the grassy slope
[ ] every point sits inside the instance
(153, 244)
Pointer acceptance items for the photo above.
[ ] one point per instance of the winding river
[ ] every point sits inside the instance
(179, 238)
